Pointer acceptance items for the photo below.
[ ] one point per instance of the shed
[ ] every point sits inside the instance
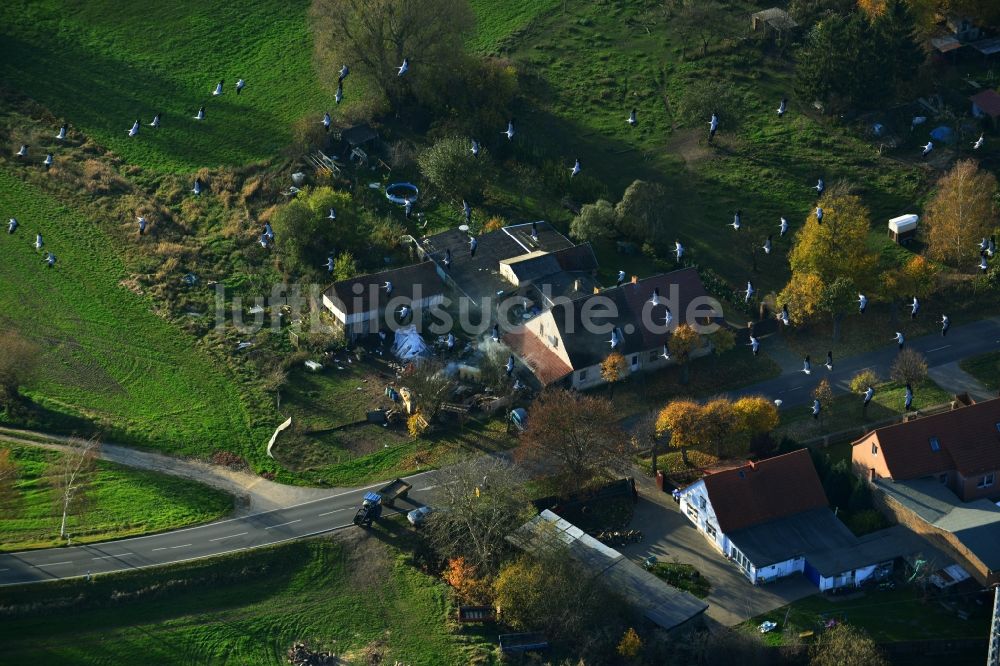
(903, 228)
(986, 104)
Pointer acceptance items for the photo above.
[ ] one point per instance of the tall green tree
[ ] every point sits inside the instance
(899, 52)
(837, 63)
(837, 299)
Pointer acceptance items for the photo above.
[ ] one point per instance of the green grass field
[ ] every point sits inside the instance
(243, 609)
(103, 354)
(100, 65)
(125, 502)
(497, 21)
(845, 412)
(985, 368)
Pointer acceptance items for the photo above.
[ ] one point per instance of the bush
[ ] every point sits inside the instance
(861, 381)
(453, 171)
(866, 521)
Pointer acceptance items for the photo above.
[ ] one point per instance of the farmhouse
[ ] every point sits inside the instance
(662, 604)
(362, 306)
(560, 346)
(771, 519)
(938, 475)
(510, 263)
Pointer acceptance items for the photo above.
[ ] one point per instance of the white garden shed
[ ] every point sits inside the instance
(903, 228)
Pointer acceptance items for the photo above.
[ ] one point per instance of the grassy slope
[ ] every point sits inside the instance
(766, 167)
(102, 64)
(498, 21)
(103, 353)
(985, 368)
(244, 609)
(125, 503)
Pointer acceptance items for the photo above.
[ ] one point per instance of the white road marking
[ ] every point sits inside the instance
(156, 549)
(795, 388)
(227, 537)
(329, 512)
(937, 349)
(104, 557)
(4, 569)
(54, 564)
(297, 520)
(181, 546)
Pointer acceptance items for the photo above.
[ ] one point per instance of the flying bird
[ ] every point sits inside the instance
(510, 365)
(784, 317)
(614, 338)
(326, 121)
(632, 120)
(978, 143)
(510, 130)
(332, 215)
(737, 220)
(575, 170)
(407, 207)
(749, 291)
(945, 325)
(806, 365)
(914, 308)
(829, 361)
(782, 107)
(449, 342)
(38, 242)
(197, 187)
(156, 121)
(135, 128)
(754, 345)
(713, 126)
(475, 148)
(218, 88)
(142, 224)
(12, 225)
(240, 85)
(62, 132)
(668, 317)
(783, 227)
(899, 339)
(388, 288)
(201, 113)
(50, 259)
(820, 186)
(404, 312)
(473, 244)
(927, 149)
(655, 300)
(404, 68)
(344, 71)
(869, 394)
(666, 352)
(339, 95)
(534, 231)
(816, 408)
(678, 250)
(862, 303)
(23, 150)
(447, 259)
(767, 245)
(48, 160)
(496, 333)
(819, 215)
(621, 278)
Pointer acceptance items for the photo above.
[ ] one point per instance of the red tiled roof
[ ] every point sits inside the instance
(544, 363)
(968, 438)
(988, 101)
(761, 492)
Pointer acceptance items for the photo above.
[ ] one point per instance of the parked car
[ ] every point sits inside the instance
(418, 515)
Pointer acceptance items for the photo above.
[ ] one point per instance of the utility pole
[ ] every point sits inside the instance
(994, 656)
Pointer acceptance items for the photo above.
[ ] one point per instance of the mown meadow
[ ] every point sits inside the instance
(124, 502)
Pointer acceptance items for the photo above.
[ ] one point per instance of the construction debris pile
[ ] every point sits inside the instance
(300, 655)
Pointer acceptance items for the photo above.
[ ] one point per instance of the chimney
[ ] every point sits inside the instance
(576, 284)
(635, 279)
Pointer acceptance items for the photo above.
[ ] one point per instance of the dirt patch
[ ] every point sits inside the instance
(691, 145)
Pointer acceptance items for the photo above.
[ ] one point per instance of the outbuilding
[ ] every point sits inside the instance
(903, 229)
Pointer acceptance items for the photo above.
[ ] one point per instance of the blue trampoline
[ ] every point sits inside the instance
(398, 193)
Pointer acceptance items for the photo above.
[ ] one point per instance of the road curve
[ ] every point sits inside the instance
(225, 536)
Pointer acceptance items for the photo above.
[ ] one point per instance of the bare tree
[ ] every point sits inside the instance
(373, 37)
(910, 367)
(481, 501)
(576, 437)
(429, 385)
(71, 477)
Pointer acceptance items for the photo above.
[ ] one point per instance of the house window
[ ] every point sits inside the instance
(583, 375)
(635, 360)
(710, 530)
(987, 481)
(702, 502)
(874, 449)
(935, 444)
(541, 329)
(693, 513)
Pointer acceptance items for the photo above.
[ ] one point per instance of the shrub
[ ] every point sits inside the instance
(861, 381)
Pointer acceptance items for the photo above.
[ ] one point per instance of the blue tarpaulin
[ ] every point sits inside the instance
(943, 134)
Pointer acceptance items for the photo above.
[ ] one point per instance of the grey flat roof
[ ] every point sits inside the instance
(794, 536)
(667, 606)
(987, 46)
(976, 524)
(875, 548)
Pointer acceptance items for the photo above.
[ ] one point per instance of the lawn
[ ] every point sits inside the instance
(638, 57)
(103, 355)
(887, 615)
(350, 594)
(985, 368)
(845, 410)
(497, 22)
(125, 502)
(102, 64)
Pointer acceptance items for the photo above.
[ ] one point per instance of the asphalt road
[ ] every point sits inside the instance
(795, 388)
(226, 536)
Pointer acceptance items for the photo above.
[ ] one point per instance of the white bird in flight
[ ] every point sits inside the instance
(862, 303)
(339, 95)
(737, 220)
(767, 245)
(329, 264)
(201, 113)
(783, 227)
(388, 288)
(240, 85)
(11, 225)
(749, 291)
(50, 259)
(197, 187)
(135, 128)
(218, 88)
(404, 68)
(678, 249)
(475, 148)
(632, 120)
(142, 224)
(342, 74)
(784, 316)
(156, 121)
(38, 242)
(806, 365)
(62, 132)
(927, 149)
(782, 107)
(510, 130)
(575, 170)
(332, 215)
(978, 143)
(23, 150)
(48, 160)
